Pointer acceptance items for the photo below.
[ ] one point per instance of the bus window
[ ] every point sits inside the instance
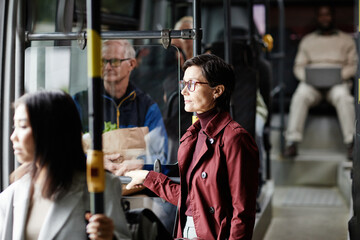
(260, 18)
(55, 68)
(157, 74)
(213, 21)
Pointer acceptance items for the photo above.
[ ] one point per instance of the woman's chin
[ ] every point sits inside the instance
(188, 109)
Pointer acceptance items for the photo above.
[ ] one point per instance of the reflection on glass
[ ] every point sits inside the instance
(156, 74)
(44, 12)
(122, 8)
(55, 68)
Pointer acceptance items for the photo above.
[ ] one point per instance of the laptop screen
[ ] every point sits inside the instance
(323, 77)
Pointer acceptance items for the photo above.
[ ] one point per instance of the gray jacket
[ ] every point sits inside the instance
(66, 216)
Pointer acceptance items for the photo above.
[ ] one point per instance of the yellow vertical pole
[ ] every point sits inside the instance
(95, 164)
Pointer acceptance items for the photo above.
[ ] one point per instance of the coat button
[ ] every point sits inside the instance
(211, 210)
(211, 140)
(203, 175)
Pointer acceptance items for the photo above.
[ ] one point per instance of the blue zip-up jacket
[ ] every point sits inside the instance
(135, 109)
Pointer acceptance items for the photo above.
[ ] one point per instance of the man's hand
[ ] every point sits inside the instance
(118, 166)
(112, 162)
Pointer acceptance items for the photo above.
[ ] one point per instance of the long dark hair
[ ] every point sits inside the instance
(217, 72)
(57, 134)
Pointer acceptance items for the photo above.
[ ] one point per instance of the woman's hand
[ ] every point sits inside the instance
(116, 164)
(100, 227)
(138, 178)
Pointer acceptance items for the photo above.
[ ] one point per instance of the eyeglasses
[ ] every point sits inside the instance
(114, 62)
(190, 84)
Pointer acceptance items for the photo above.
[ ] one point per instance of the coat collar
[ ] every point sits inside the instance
(21, 205)
(215, 125)
(59, 211)
(130, 94)
(213, 128)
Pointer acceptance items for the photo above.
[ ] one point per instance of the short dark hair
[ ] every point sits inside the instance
(331, 8)
(217, 72)
(57, 134)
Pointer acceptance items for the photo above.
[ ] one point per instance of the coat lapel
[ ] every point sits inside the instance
(21, 206)
(203, 150)
(60, 211)
(212, 130)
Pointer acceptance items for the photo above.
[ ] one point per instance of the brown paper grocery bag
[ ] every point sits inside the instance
(129, 142)
(124, 139)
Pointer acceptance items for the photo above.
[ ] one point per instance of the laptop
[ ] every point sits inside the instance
(323, 77)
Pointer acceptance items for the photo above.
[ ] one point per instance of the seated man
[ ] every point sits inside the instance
(326, 46)
(124, 104)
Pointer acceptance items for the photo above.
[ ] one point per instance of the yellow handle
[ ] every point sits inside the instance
(95, 171)
(94, 54)
(269, 41)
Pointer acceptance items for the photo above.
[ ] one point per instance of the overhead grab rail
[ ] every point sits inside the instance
(165, 35)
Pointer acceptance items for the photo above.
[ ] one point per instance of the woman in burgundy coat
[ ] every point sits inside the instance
(218, 160)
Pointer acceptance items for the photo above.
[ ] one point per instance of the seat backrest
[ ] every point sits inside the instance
(144, 224)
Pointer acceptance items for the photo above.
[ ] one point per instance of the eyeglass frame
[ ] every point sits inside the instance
(113, 60)
(189, 84)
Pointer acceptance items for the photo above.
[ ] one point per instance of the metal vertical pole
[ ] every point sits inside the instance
(19, 54)
(268, 161)
(8, 91)
(227, 31)
(251, 21)
(354, 223)
(281, 72)
(20, 50)
(197, 26)
(95, 164)
(267, 18)
(228, 41)
(198, 36)
(3, 7)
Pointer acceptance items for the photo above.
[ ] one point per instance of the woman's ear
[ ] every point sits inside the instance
(218, 91)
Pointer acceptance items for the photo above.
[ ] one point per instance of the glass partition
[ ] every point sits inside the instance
(151, 106)
(49, 67)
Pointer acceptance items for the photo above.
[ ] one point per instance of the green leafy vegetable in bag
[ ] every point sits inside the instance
(108, 126)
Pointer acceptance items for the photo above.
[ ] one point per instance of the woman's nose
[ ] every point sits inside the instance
(184, 90)
(13, 136)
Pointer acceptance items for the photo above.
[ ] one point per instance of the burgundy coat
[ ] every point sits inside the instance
(224, 181)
